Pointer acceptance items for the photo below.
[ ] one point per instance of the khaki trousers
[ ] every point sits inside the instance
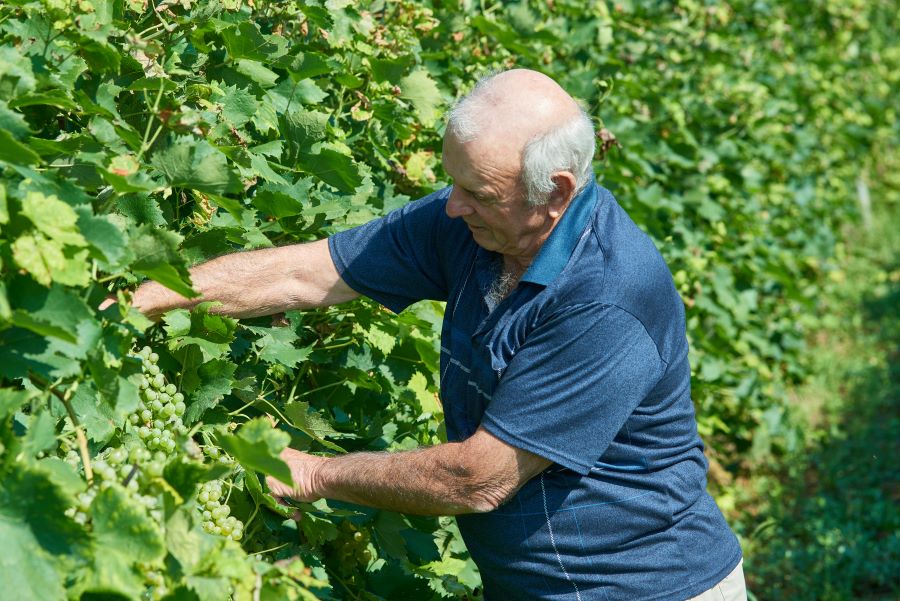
(732, 588)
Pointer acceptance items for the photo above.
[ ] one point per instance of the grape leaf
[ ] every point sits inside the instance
(124, 527)
(123, 535)
(256, 71)
(186, 476)
(276, 345)
(33, 528)
(107, 238)
(246, 41)
(52, 217)
(141, 209)
(238, 105)
(96, 416)
(257, 446)
(12, 400)
(420, 89)
(12, 122)
(157, 257)
(197, 165)
(300, 129)
(215, 379)
(211, 333)
(15, 152)
(309, 64)
(312, 424)
(418, 384)
(56, 312)
(332, 167)
(4, 205)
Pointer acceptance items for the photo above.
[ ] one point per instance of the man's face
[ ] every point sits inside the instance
(488, 196)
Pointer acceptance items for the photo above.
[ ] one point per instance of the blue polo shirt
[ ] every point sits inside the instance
(585, 363)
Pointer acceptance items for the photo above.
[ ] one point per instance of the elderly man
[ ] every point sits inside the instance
(573, 462)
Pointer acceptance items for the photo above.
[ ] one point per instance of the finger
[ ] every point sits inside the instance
(107, 302)
(296, 515)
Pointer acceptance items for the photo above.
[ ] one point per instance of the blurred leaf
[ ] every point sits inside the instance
(420, 89)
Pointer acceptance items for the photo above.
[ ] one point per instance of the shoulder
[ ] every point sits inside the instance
(619, 265)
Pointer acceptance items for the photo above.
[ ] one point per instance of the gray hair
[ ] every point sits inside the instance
(569, 147)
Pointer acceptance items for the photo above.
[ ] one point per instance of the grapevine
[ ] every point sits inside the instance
(140, 138)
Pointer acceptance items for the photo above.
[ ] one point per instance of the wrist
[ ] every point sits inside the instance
(153, 299)
(317, 481)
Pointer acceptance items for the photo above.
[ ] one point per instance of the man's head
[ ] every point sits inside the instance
(518, 148)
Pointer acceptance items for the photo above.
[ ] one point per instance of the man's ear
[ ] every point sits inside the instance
(562, 194)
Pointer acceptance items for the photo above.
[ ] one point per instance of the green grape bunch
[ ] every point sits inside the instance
(214, 510)
(351, 550)
(116, 466)
(158, 416)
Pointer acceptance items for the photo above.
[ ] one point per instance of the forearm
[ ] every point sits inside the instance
(429, 481)
(260, 282)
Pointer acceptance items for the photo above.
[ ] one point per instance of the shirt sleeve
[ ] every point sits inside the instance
(569, 389)
(397, 259)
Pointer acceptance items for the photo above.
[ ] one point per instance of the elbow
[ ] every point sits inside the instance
(488, 499)
(486, 493)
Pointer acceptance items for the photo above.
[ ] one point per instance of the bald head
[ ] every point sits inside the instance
(518, 104)
(525, 117)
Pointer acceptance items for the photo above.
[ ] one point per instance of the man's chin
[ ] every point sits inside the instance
(483, 239)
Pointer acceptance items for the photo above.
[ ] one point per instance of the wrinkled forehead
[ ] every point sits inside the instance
(487, 152)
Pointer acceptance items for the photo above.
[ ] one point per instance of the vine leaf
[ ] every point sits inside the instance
(123, 526)
(123, 535)
(423, 93)
(257, 446)
(11, 401)
(196, 165)
(333, 168)
(33, 528)
(276, 345)
(216, 379)
(312, 424)
(158, 259)
(12, 151)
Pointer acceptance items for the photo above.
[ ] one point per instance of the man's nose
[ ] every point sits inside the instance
(457, 205)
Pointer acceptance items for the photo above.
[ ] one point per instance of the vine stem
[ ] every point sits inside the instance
(79, 431)
(144, 144)
(257, 586)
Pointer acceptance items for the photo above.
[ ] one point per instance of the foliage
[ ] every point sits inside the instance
(139, 138)
(822, 522)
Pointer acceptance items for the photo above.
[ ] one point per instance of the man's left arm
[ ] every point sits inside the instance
(473, 476)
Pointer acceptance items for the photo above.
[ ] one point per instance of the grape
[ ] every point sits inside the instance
(215, 513)
(351, 550)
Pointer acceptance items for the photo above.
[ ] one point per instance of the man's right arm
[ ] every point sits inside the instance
(257, 282)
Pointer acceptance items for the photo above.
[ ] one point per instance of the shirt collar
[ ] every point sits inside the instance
(558, 247)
